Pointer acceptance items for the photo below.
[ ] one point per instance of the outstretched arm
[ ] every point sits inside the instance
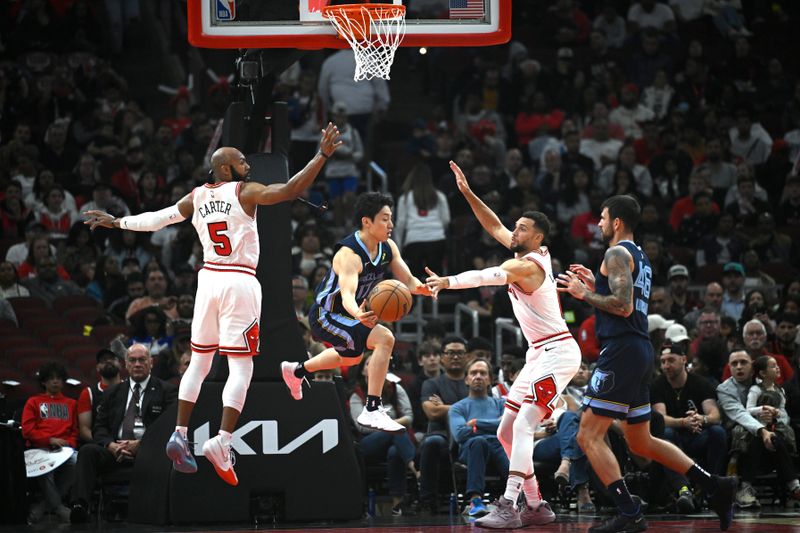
(619, 265)
(403, 274)
(254, 193)
(511, 271)
(488, 219)
(149, 221)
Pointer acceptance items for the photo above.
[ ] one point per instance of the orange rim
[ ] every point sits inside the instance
(356, 13)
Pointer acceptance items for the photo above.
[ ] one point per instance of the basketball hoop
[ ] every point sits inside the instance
(374, 32)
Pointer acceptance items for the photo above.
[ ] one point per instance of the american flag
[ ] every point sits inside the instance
(466, 9)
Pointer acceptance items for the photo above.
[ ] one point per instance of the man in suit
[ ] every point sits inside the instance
(127, 410)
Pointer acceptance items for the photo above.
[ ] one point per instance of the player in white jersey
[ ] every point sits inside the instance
(552, 359)
(228, 302)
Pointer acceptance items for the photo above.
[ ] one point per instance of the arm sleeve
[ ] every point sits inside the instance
(478, 278)
(752, 398)
(488, 426)
(30, 423)
(152, 220)
(457, 421)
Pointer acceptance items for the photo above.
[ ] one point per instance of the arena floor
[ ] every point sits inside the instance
(776, 521)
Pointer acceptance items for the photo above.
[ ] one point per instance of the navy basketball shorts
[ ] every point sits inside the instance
(620, 384)
(346, 334)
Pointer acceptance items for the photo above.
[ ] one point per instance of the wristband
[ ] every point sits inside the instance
(323, 154)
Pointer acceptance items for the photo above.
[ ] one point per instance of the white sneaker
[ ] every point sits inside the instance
(379, 420)
(294, 383)
(221, 456)
(746, 496)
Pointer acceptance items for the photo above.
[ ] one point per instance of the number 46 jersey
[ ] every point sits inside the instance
(229, 235)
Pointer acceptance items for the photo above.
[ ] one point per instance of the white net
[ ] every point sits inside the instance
(374, 31)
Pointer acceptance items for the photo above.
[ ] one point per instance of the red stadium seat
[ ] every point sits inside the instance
(27, 302)
(64, 303)
(708, 273)
(16, 396)
(19, 341)
(88, 366)
(30, 365)
(782, 272)
(7, 325)
(105, 333)
(60, 342)
(83, 315)
(76, 353)
(32, 316)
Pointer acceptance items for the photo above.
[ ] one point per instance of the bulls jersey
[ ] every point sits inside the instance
(229, 235)
(539, 312)
(609, 325)
(373, 270)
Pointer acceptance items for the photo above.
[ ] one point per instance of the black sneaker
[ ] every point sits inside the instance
(621, 524)
(685, 502)
(79, 514)
(721, 501)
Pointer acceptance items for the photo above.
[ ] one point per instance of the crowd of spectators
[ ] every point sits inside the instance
(689, 105)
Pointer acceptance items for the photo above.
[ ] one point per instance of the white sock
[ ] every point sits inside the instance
(513, 488)
(225, 437)
(532, 494)
(182, 430)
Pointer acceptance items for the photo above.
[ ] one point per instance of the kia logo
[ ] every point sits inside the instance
(328, 428)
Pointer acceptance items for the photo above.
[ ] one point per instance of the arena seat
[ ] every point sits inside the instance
(7, 325)
(29, 365)
(81, 351)
(708, 273)
(59, 342)
(64, 303)
(82, 315)
(19, 340)
(782, 272)
(27, 302)
(21, 353)
(105, 333)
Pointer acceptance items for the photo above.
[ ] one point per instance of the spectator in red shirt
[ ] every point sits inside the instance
(50, 420)
(108, 368)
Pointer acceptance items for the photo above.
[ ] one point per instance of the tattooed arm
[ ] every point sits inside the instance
(618, 264)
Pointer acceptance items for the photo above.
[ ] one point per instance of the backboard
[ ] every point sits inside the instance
(300, 24)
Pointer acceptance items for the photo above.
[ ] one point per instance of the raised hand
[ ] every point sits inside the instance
(584, 274)
(461, 180)
(99, 218)
(569, 282)
(435, 283)
(330, 139)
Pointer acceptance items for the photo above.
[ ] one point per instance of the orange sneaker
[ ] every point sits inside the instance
(221, 456)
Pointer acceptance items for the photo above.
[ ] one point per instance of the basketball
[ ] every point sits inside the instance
(390, 300)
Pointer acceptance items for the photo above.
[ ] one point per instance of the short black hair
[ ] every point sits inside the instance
(625, 208)
(51, 369)
(540, 221)
(789, 317)
(479, 343)
(702, 194)
(448, 339)
(369, 204)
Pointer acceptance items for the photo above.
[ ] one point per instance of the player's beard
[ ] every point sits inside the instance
(238, 177)
(606, 236)
(518, 248)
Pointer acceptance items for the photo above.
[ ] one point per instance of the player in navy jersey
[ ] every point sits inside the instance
(619, 387)
(338, 315)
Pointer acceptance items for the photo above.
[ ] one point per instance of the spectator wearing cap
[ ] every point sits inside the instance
(108, 367)
(631, 114)
(691, 416)
(657, 327)
(678, 279)
(733, 298)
